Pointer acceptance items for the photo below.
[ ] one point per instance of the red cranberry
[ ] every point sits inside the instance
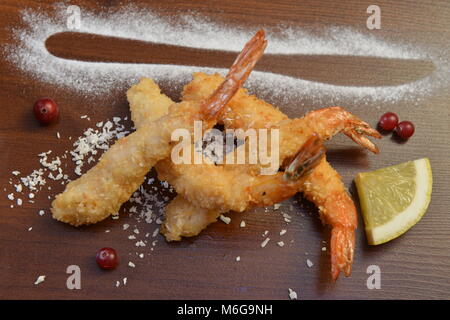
(107, 258)
(388, 121)
(405, 129)
(46, 110)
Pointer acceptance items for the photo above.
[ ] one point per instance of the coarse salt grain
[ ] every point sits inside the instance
(131, 264)
(292, 294)
(39, 280)
(140, 244)
(265, 242)
(242, 225)
(309, 263)
(280, 243)
(282, 232)
(225, 219)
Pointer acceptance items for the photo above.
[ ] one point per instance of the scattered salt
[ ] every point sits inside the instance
(30, 55)
(265, 242)
(140, 244)
(225, 219)
(292, 294)
(40, 279)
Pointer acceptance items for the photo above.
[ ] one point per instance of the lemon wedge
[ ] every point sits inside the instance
(393, 199)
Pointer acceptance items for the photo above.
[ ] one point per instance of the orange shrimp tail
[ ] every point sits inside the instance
(342, 249)
(239, 72)
(340, 214)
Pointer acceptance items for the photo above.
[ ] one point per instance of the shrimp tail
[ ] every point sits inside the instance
(306, 159)
(238, 73)
(268, 190)
(357, 131)
(331, 120)
(342, 249)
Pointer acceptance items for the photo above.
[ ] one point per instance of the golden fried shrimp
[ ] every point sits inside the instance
(245, 111)
(325, 189)
(183, 219)
(147, 103)
(324, 186)
(104, 188)
(190, 181)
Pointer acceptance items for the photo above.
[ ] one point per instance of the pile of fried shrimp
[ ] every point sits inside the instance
(207, 190)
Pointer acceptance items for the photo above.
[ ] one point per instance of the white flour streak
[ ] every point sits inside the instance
(31, 56)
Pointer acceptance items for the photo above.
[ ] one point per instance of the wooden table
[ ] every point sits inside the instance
(414, 266)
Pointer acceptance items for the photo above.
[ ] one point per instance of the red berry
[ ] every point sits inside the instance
(388, 121)
(46, 110)
(107, 258)
(405, 129)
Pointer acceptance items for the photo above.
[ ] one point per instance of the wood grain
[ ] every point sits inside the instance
(414, 266)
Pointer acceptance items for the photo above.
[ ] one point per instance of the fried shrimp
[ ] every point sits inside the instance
(323, 186)
(104, 188)
(184, 219)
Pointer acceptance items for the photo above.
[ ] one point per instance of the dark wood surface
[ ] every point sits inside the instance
(414, 266)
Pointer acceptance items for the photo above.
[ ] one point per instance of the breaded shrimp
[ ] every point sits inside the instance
(324, 186)
(184, 219)
(190, 181)
(104, 188)
(147, 103)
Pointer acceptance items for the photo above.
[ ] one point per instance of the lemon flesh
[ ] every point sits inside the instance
(393, 199)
